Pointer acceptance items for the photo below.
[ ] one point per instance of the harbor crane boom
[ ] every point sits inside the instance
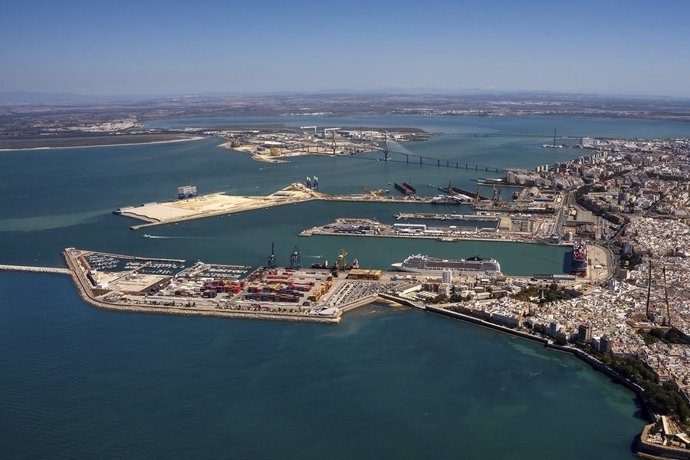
(309, 127)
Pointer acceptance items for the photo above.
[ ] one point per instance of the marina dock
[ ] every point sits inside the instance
(171, 286)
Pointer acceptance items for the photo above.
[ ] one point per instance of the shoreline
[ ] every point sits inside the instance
(25, 149)
(548, 343)
(592, 361)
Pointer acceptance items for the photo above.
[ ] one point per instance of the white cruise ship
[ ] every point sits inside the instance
(472, 266)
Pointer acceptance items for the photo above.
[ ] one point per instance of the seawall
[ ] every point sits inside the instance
(589, 359)
(659, 451)
(26, 268)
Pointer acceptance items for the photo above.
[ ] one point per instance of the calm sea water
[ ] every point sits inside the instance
(387, 383)
(78, 382)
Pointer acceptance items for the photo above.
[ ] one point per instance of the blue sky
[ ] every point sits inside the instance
(149, 47)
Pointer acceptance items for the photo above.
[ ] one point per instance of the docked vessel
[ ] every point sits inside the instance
(451, 199)
(473, 266)
(405, 188)
(579, 263)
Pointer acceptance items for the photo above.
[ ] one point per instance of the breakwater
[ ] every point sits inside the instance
(27, 268)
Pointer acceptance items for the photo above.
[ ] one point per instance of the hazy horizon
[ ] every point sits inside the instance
(616, 48)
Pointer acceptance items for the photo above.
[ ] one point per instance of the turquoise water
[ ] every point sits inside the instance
(78, 382)
(387, 383)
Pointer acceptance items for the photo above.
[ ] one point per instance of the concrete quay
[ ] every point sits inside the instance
(89, 296)
(439, 216)
(312, 232)
(283, 294)
(373, 228)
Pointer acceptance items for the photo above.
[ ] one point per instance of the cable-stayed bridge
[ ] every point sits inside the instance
(395, 152)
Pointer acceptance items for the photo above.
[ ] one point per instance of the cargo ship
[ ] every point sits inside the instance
(405, 188)
(451, 199)
(472, 266)
(579, 263)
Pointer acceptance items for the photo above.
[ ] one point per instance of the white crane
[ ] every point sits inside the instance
(330, 129)
(309, 127)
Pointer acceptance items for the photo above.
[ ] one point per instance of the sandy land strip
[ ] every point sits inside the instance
(214, 204)
(187, 139)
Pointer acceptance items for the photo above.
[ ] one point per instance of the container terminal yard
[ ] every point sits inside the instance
(319, 293)
(322, 295)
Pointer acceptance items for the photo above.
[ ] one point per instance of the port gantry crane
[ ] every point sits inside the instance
(309, 127)
(271, 262)
(295, 259)
(341, 260)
